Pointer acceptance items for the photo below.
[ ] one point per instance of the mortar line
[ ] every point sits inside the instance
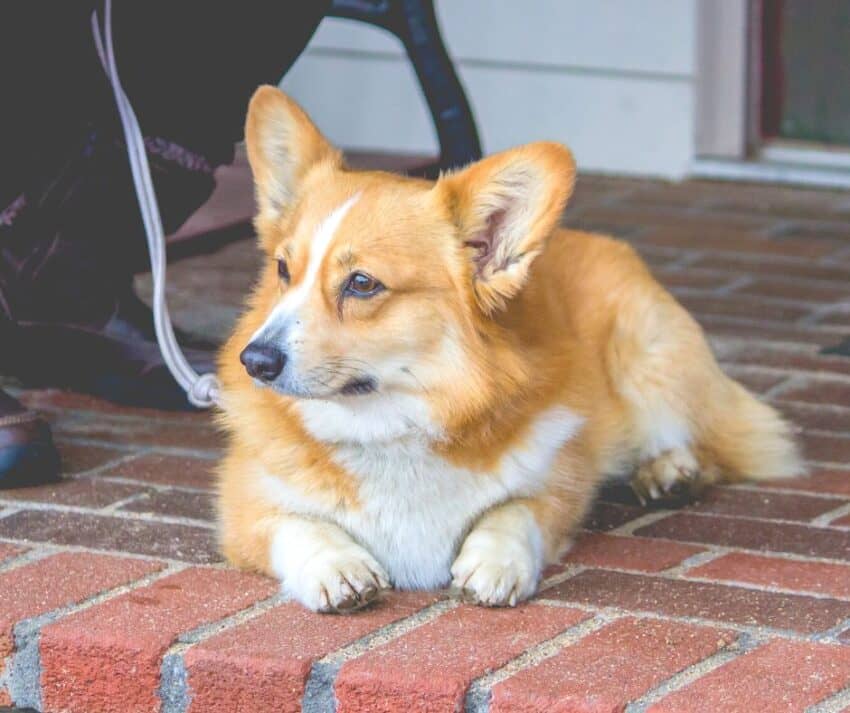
(679, 573)
(477, 698)
(569, 571)
(756, 488)
(123, 514)
(838, 410)
(793, 556)
(198, 454)
(695, 560)
(768, 588)
(157, 487)
(753, 630)
(744, 643)
(824, 310)
(816, 309)
(115, 462)
(24, 668)
(58, 548)
(826, 464)
(319, 690)
(115, 507)
(790, 382)
(7, 511)
(732, 287)
(832, 635)
(834, 703)
(174, 690)
(687, 259)
(827, 518)
(391, 631)
(644, 520)
(27, 557)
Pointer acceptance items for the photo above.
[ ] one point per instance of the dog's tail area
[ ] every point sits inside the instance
(748, 440)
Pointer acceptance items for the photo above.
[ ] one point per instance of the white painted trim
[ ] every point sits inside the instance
(769, 172)
(807, 154)
(722, 78)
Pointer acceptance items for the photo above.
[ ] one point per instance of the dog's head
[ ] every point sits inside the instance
(375, 283)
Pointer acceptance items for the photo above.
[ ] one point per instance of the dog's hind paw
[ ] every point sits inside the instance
(672, 474)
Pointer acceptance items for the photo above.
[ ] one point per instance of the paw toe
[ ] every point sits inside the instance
(673, 474)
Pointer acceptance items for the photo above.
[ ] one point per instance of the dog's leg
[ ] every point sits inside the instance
(503, 555)
(501, 559)
(322, 567)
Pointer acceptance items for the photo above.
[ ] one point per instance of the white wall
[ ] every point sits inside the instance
(613, 79)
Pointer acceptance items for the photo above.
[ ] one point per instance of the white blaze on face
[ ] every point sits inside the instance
(295, 298)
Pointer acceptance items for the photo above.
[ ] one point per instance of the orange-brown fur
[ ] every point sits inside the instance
(580, 323)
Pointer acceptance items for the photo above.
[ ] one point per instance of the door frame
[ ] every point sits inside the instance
(727, 135)
(723, 112)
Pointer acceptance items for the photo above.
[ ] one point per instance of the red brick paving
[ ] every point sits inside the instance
(766, 271)
(107, 658)
(80, 492)
(607, 669)
(637, 553)
(835, 481)
(268, 671)
(816, 577)
(162, 469)
(431, 668)
(66, 578)
(763, 504)
(822, 391)
(116, 533)
(814, 416)
(827, 448)
(78, 458)
(753, 535)
(175, 503)
(780, 676)
(790, 359)
(713, 602)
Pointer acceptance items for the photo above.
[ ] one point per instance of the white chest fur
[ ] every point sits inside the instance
(415, 507)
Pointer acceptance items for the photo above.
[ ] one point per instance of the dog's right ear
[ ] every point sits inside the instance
(283, 145)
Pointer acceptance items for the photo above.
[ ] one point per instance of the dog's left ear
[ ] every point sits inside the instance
(506, 206)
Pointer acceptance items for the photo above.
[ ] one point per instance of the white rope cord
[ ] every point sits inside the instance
(202, 390)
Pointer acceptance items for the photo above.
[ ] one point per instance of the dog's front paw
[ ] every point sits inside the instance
(338, 580)
(495, 570)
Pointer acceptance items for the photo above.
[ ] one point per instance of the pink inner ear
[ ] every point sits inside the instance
(485, 242)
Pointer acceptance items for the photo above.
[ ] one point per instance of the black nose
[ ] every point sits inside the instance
(263, 361)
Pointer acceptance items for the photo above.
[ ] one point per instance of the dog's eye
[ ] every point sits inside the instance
(362, 285)
(283, 269)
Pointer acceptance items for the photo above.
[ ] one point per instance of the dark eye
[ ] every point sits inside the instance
(362, 285)
(283, 269)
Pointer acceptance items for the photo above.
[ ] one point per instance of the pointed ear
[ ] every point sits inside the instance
(506, 206)
(283, 144)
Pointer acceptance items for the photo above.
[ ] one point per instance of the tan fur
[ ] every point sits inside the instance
(496, 313)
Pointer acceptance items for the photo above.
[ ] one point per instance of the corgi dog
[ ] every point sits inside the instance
(432, 378)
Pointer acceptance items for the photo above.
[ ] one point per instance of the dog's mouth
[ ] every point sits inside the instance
(358, 387)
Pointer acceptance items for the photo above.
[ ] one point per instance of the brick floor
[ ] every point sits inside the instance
(113, 596)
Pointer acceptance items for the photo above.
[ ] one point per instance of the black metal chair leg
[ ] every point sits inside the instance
(415, 24)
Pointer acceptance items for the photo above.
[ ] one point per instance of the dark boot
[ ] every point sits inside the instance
(66, 270)
(27, 454)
